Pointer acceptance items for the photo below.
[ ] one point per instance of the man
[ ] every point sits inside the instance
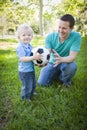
(64, 46)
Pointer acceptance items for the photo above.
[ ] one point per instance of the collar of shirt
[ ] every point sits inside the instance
(27, 46)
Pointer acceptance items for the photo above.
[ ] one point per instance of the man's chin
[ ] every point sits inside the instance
(63, 36)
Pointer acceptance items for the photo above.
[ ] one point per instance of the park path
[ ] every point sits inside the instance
(7, 45)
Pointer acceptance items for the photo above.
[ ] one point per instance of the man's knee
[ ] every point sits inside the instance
(42, 83)
(73, 66)
(69, 66)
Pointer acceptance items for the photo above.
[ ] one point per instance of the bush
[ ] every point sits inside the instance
(35, 27)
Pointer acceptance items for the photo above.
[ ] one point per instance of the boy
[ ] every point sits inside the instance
(25, 65)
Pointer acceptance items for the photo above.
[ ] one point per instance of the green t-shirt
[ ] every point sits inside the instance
(72, 43)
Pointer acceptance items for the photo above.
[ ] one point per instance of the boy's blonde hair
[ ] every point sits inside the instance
(23, 27)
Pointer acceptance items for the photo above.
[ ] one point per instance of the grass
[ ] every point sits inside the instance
(54, 108)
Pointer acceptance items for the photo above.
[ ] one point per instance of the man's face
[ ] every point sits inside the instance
(64, 29)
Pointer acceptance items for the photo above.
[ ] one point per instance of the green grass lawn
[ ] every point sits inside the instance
(53, 108)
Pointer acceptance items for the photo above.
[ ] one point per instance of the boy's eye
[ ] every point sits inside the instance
(29, 35)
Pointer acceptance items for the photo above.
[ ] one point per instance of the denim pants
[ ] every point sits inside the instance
(64, 72)
(28, 84)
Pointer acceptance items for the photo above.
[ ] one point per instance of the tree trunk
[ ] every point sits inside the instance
(41, 17)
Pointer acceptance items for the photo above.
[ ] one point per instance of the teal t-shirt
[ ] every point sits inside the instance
(72, 43)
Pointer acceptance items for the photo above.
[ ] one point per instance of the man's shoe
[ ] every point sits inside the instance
(66, 85)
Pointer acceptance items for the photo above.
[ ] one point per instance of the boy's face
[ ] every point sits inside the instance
(25, 36)
(64, 29)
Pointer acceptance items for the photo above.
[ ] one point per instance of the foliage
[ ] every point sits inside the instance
(79, 10)
(13, 13)
(53, 108)
(35, 28)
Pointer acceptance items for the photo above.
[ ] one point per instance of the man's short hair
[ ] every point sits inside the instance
(69, 18)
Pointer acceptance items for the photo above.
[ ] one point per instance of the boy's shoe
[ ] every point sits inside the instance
(28, 100)
(34, 93)
(22, 97)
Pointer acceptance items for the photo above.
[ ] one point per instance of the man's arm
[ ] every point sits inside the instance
(66, 59)
(70, 58)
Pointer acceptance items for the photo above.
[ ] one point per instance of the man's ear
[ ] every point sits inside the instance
(72, 28)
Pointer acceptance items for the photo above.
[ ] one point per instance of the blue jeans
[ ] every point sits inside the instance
(28, 84)
(64, 72)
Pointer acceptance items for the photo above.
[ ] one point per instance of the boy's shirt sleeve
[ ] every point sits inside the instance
(20, 51)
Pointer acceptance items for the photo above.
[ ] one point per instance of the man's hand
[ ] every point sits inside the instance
(55, 53)
(57, 58)
(58, 61)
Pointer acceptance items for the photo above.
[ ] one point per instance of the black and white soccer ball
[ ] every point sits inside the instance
(45, 55)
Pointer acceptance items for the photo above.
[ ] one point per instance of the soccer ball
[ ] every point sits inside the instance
(44, 52)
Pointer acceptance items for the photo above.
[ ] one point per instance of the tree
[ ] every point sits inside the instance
(78, 8)
(41, 16)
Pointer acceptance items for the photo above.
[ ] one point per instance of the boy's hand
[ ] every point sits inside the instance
(37, 56)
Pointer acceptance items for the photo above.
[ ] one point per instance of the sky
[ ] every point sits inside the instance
(24, 2)
(55, 1)
(52, 1)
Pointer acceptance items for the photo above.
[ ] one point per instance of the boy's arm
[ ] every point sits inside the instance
(31, 58)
